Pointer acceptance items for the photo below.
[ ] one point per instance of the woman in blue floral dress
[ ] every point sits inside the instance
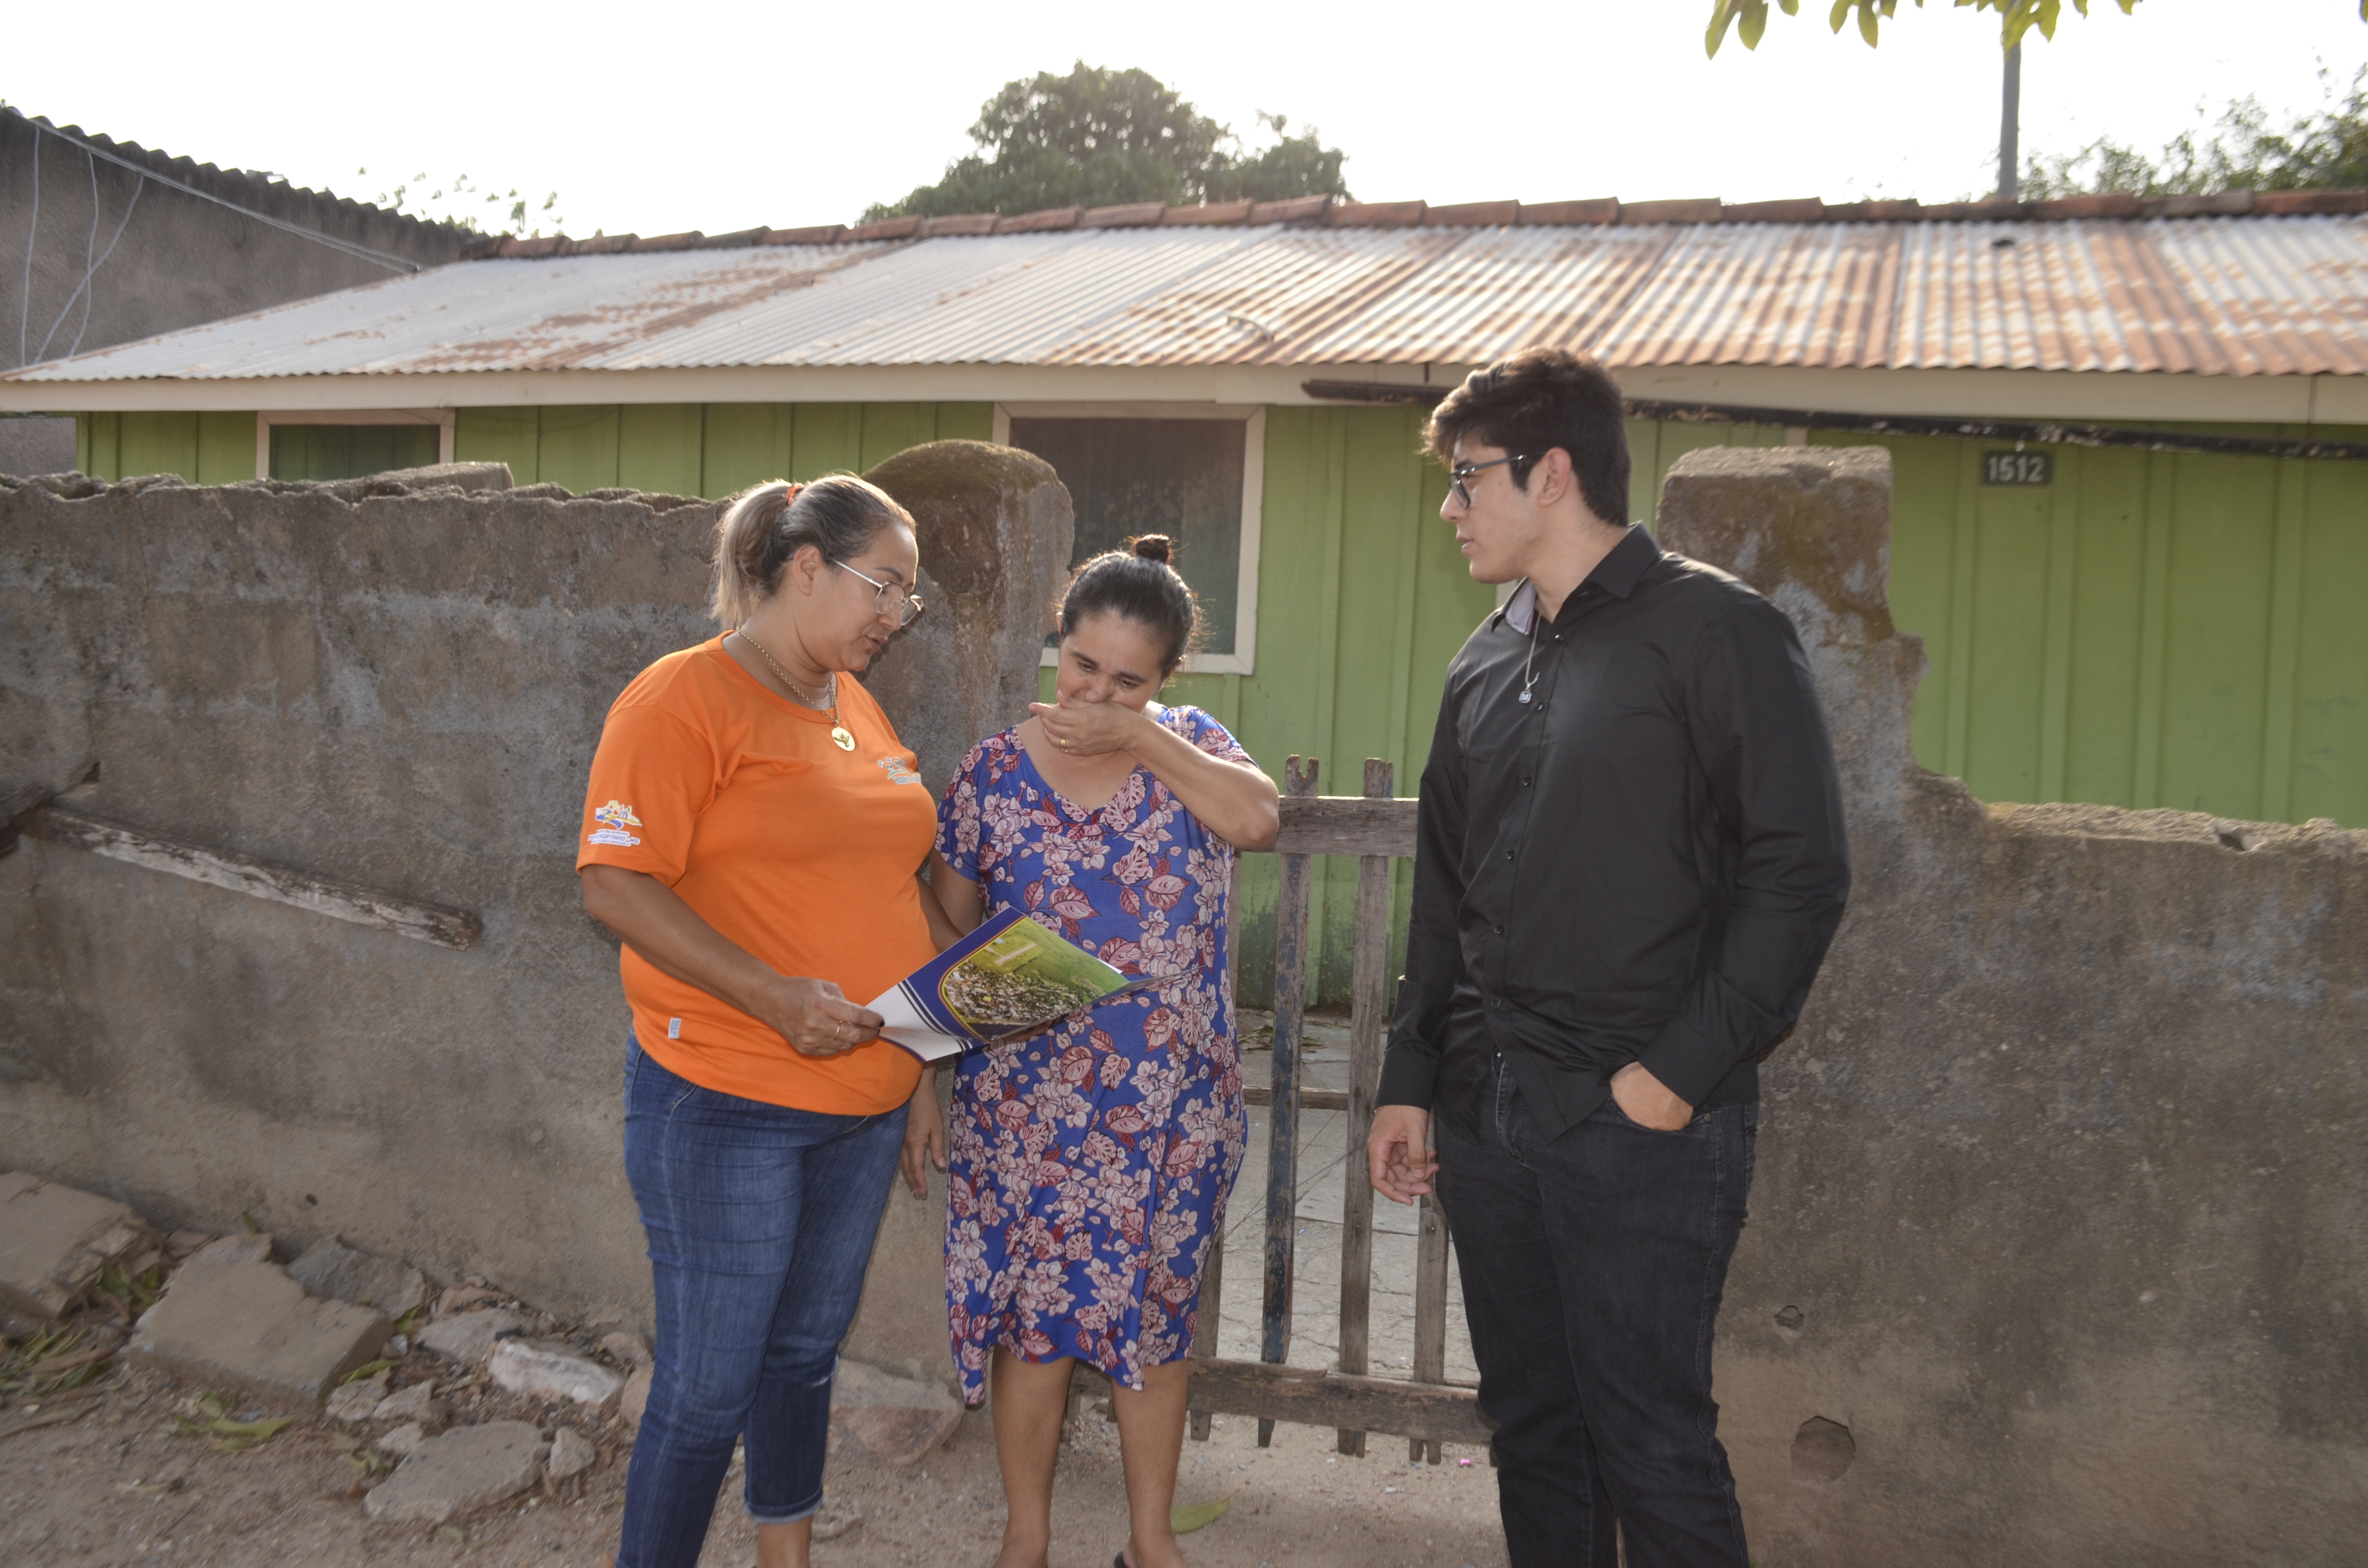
(1090, 1164)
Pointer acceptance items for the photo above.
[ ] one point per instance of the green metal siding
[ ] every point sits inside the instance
(203, 448)
(2151, 628)
(704, 449)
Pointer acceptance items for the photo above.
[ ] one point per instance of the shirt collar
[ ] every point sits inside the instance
(1617, 575)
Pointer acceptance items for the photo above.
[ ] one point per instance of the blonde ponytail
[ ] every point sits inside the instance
(765, 526)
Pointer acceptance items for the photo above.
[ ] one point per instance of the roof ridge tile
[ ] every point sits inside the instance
(1128, 215)
(1329, 213)
(1208, 212)
(1053, 218)
(1377, 214)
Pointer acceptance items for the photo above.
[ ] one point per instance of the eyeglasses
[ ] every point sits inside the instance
(1461, 487)
(907, 611)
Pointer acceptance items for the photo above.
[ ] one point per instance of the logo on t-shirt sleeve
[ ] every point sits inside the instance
(614, 819)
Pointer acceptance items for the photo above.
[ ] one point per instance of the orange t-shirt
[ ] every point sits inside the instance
(802, 854)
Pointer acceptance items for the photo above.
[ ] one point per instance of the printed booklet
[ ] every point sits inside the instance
(1008, 980)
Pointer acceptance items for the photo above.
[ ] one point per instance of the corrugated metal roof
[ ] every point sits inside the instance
(2209, 295)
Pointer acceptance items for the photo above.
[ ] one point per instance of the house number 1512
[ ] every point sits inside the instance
(2017, 468)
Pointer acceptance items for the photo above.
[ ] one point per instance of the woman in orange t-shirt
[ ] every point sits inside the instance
(754, 831)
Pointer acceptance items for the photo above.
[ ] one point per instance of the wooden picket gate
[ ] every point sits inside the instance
(1426, 1410)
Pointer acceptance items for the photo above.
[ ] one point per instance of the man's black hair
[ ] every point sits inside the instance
(1538, 399)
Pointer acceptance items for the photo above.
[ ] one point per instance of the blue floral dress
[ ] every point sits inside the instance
(1089, 1165)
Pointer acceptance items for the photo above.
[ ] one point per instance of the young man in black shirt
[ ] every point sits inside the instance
(1631, 860)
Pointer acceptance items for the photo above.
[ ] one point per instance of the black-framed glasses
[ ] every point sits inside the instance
(1460, 476)
(907, 612)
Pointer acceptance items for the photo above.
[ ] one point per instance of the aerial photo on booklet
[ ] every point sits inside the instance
(1008, 979)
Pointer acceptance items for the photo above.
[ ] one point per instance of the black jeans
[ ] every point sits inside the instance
(1593, 1269)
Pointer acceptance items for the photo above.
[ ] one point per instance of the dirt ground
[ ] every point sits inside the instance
(115, 1481)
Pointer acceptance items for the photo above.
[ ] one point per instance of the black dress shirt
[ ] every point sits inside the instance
(1643, 862)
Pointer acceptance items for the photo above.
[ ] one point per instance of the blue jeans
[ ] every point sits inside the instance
(760, 1221)
(1593, 1269)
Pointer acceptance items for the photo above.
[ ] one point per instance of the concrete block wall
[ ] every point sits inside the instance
(2059, 1230)
(400, 685)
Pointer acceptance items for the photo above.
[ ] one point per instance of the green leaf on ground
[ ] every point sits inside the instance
(48, 1418)
(1184, 1521)
(366, 1369)
(237, 1436)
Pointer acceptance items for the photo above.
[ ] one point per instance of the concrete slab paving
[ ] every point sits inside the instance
(463, 1469)
(469, 1337)
(244, 1325)
(54, 1241)
(330, 1268)
(553, 1372)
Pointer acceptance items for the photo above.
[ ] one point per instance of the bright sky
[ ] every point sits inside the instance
(710, 115)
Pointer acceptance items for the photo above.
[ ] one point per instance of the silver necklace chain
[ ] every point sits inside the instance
(1529, 662)
(827, 698)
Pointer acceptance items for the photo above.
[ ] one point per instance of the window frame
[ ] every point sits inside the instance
(442, 418)
(1243, 659)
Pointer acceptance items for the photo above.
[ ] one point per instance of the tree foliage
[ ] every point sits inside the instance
(2016, 18)
(2328, 150)
(1101, 138)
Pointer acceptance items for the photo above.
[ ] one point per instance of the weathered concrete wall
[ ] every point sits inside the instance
(2060, 1199)
(994, 526)
(398, 687)
(180, 259)
(36, 444)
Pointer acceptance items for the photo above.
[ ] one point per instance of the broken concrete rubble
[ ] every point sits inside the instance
(553, 1372)
(330, 1268)
(571, 1453)
(236, 1321)
(353, 1403)
(468, 1337)
(464, 1468)
(877, 1415)
(55, 1241)
(409, 1403)
(636, 1398)
(250, 1247)
(402, 1441)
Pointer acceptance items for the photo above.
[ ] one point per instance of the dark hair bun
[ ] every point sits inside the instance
(1137, 584)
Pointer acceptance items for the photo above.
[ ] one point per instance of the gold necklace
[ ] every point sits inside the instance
(828, 697)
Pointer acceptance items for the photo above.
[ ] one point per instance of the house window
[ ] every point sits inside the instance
(1193, 474)
(350, 443)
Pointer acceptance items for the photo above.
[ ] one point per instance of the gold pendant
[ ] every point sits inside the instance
(838, 734)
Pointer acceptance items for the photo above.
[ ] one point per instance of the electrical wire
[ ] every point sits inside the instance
(91, 271)
(359, 251)
(88, 293)
(32, 230)
(89, 249)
